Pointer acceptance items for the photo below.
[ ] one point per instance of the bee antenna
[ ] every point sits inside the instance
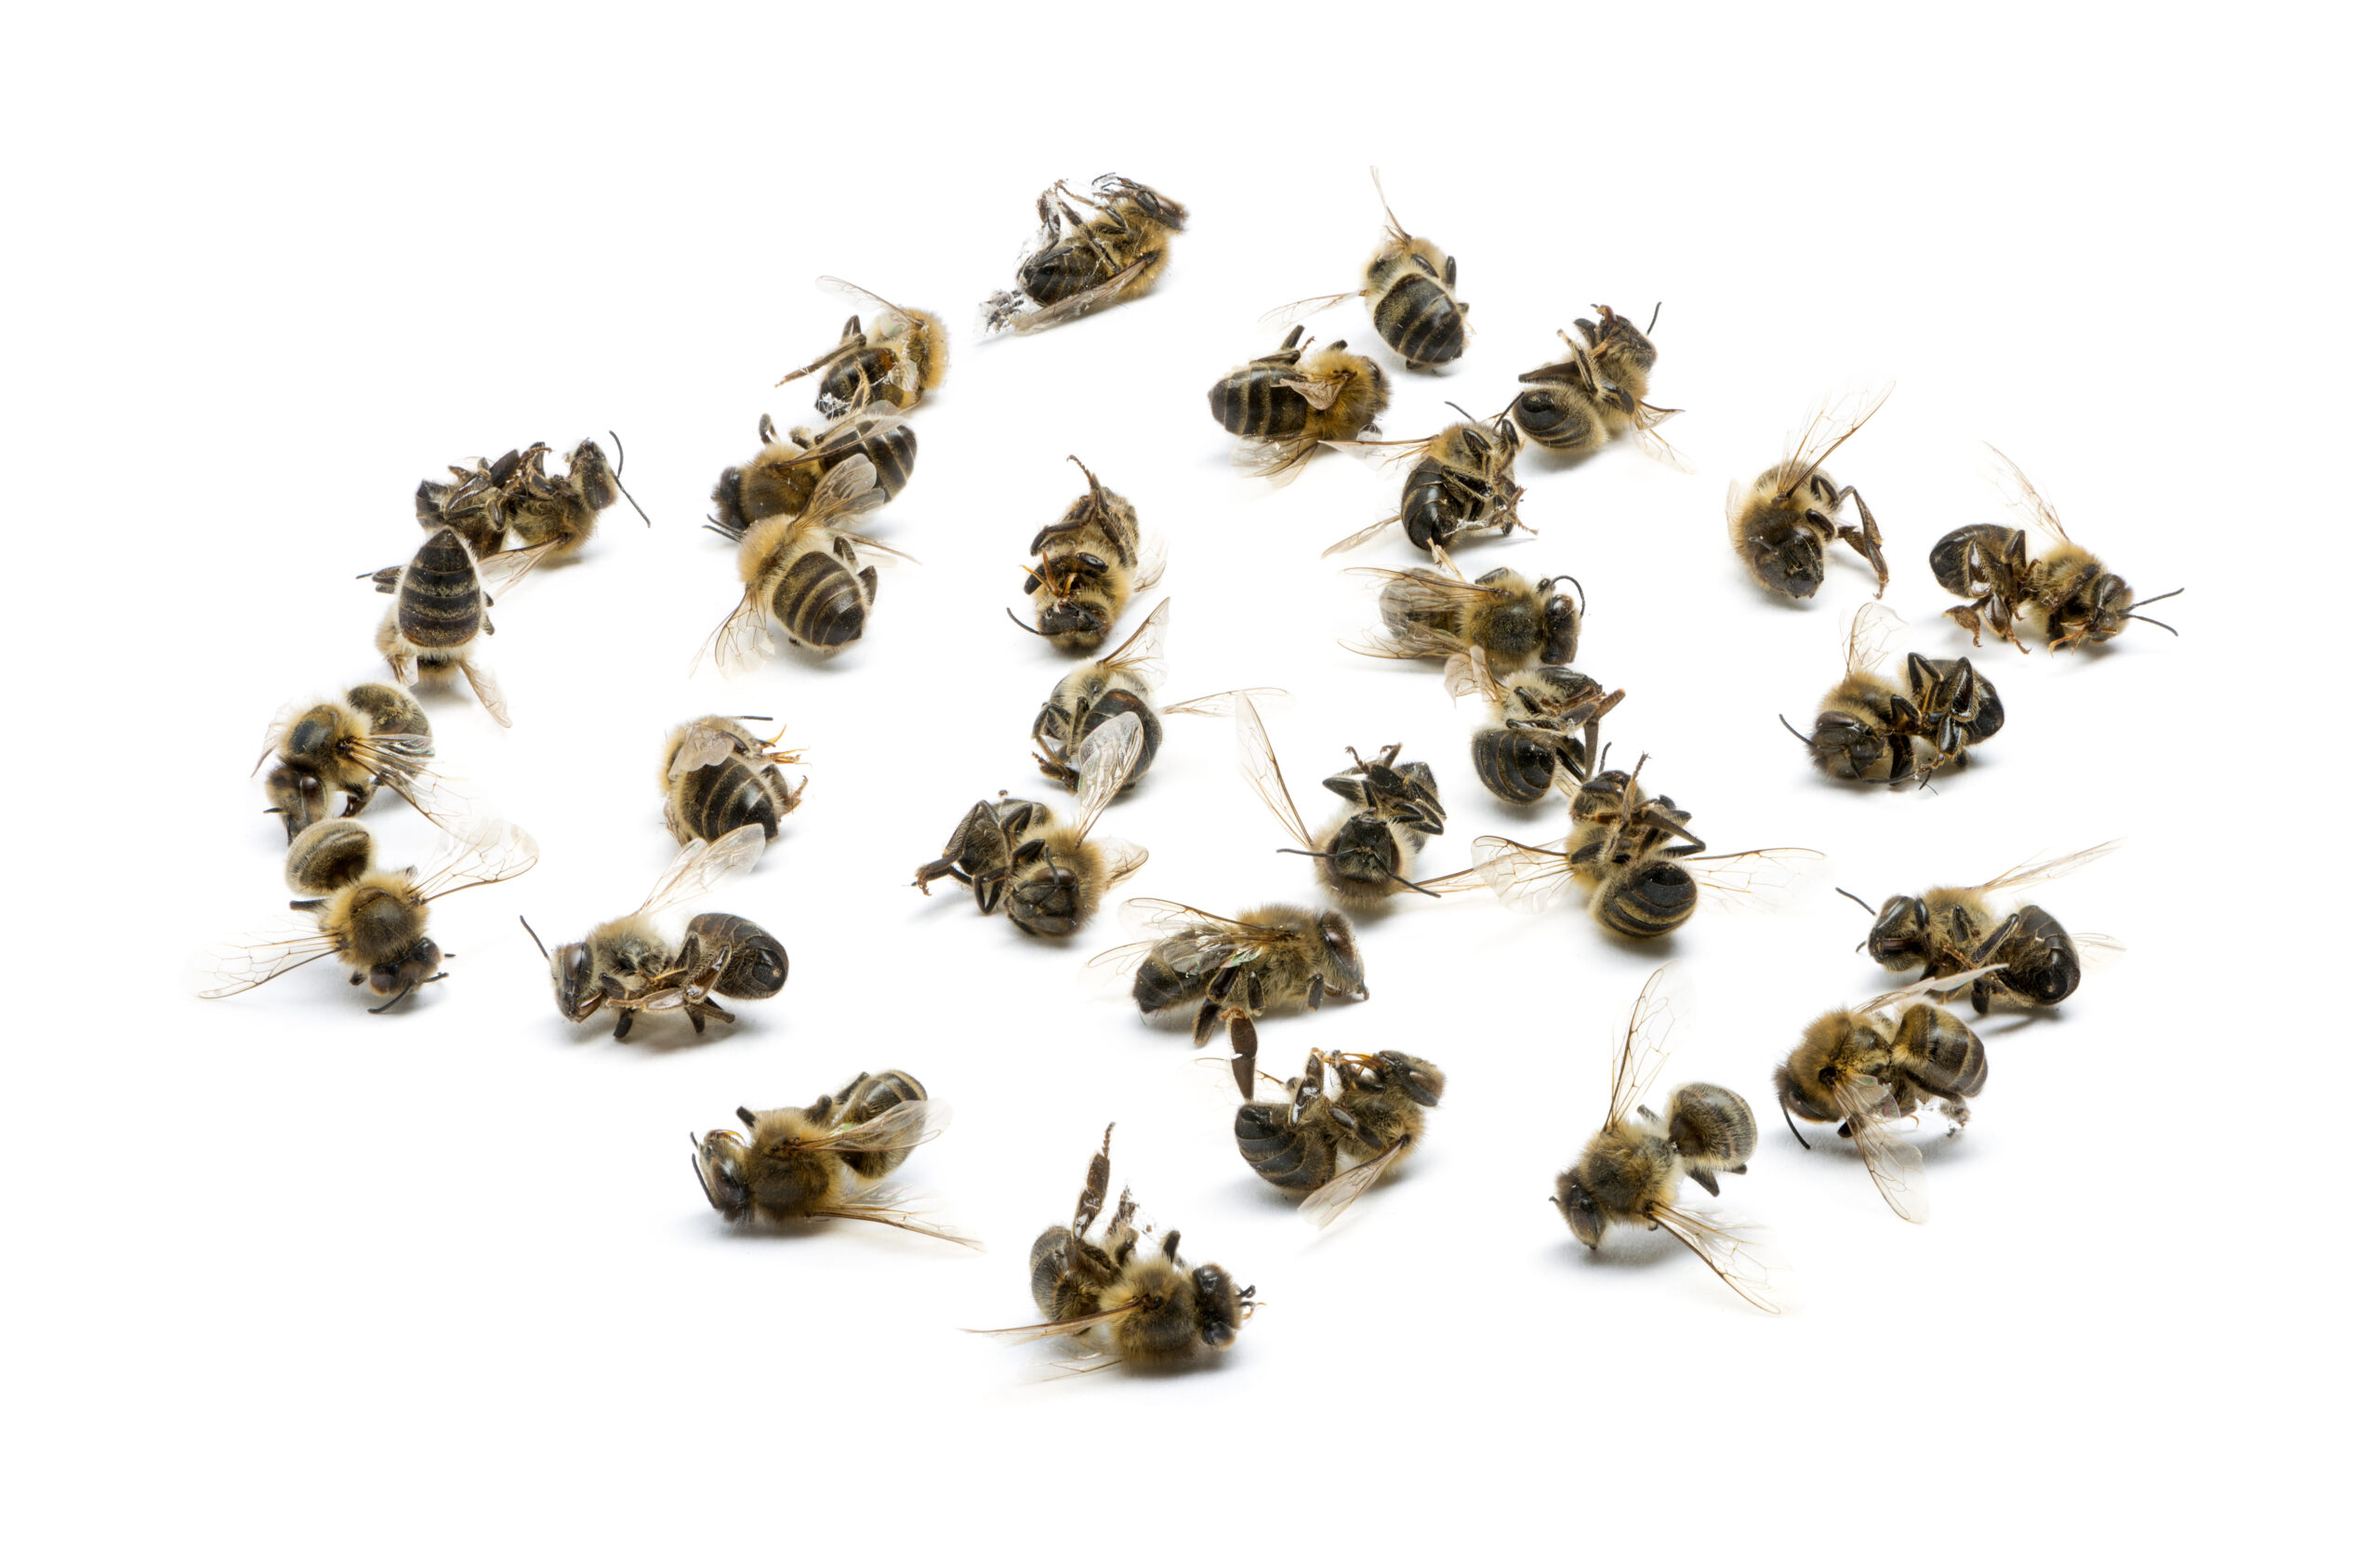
(618, 464)
(1805, 741)
(2132, 613)
(1870, 911)
(1037, 634)
(1458, 408)
(1575, 587)
(533, 935)
(1788, 1119)
(1657, 318)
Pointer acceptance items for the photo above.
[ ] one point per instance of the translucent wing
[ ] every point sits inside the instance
(1152, 568)
(1652, 443)
(742, 638)
(1151, 917)
(1524, 878)
(279, 728)
(703, 747)
(1329, 1201)
(488, 852)
(889, 1205)
(1895, 1165)
(1082, 301)
(2099, 950)
(1263, 770)
(484, 687)
(1358, 539)
(2018, 491)
(1470, 674)
(700, 866)
(1892, 1000)
(832, 286)
(245, 961)
(1123, 858)
(2032, 875)
(1065, 1328)
(848, 491)
(1297, 311)
(1827, 430)
(1864, 641)
(500, 573)
(1654, 1022)
(1730, 1255)
(1143, 652)
(1109, 754)
(1276, 462)
(1318, 394)
(903, 1126)
(1761, 881)
(1226, 703)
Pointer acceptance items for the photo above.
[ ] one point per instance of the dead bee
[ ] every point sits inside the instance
(716, 776)
(1048, 875)
(538, 509)
(1128, 1304)
(1643, 871)
(1124, 682)
(1947, 930)
(633, 964)
(1371, 1107)
(825, 1162)
(783, 478)
(1287, 407)
(1873, 729)
(469, 503)
(1083, 265)
(1409, 284)
(2076, 600)
(1630, 1172)
(376, 921)
(1266, 959)
(1865, 1068)
(900, 357)
(1429, 614)
(1583, 403)
(374, 737)
(1363, 854)
(801, 574)
(1090, 565)
(1784, 522)
(1541, 722)
(1461, 484)
(443, 597)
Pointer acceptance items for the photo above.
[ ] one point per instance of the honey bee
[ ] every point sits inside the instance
(716, 776)
(1427, 614)
(2076, 600)
(1125, 1302)
(1873, 729)
(1947, 930)
(900, 357)
(1288, 407)
(1643, 871)
(374, 737)
(469, 504)
(443, 595)
(1370, 1107)
(825, 1162)
(1461, 484)
(1541, 722)
(1409, 283)
(783, 478)
(1583, 403)
(1124, 682)
(1266, 959)
(1091, 566)
(376, 921)
(1865, 1068)
(1630, 1172)
(800, 572)
(1048, 875)
(633, 964)
(1784, 522)
(1365, 854)
(516, 496)
(1084, 265)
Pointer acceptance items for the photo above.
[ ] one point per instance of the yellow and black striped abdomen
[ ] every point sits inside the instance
(1649, 900)
(439, 600)
(1256, 402)
(1419, 319)
(891, 448)
(820, 602)
(714, 800)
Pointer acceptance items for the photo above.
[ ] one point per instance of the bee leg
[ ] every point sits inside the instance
(620, 1027)
(1314, 993)
(1956, 1110)
(1868, 543)
(1243, 1056)
(1966, 619)
(1204, 1027)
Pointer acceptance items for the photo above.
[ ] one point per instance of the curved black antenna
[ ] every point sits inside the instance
(1657, 318)
(1805, 741)
(1460, 409)
(1575, 587)
(533, 935)
(1788, 1119)
(1036, 633)
(2131, 613)
(618, 465)
(1861, 902)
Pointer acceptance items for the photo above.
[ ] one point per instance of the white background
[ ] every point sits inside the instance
(290, 1271)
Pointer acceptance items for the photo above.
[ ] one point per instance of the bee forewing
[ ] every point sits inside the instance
(484, 686)
(1894, 1164)
(1082, 301)
(1946, 985)
(848, 490)
(1470, 674)
(899, 1127)
(2018, 491)
(488, 850)
(244, 961)
(886, 1204)
(1358, 538)
(1663, 1008)
(699, 866)
(2100, 952)
(1296, 311)
(834, 286)
(1226, 703)
(1762, 880)
(2032, 875)
(1143, 652)
(742, 638)
(1033, 1330)
(1263, 770)
(1124, 857)
(703, 747)
(1866, 636)
(500, 573)
(1108, 756)
(1329, 1201)
(1152, 572)
(1525, 878)
(1319, 394)
(1750, 1267)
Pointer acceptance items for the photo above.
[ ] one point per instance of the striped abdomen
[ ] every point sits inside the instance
(890, 447)
(1938, 1052)
(392, 711)
(871, 1096)
(1513, 766)
(1288, 1155)
(714, 800)
(1059, 271)
(1418, 318)
(756, 965)
(1649, 900)
(438, 599)
(1256, 402)
(821, 602)
(2040, 962)
(1435, 507)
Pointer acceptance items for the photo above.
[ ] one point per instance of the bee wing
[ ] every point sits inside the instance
(2100, 952)
(1264, 772)
(1276, 462)
(1865, 638)
(244, 961)
(500, 573)
(1102, 971)
(2018, 491)
(1650, 441)
(1082, 301)
(700, 866)
(1654, 1020)
(903, 1126)
(1317, 393)
(487, 852)
(484, 687)
(1123, 858)
(832, 286)
(1359, 538)
(1827, 429)
(703, 747)
(1942, 987)
(848, 491)
(1893, 1163)
(1761, 881)
(1150, 918)
(742, 638)
(1524, 878)
(1226, 703)
(1143, 652)
(279, 728)
(1152, 568)
(1470, 674)
(1329, 1201)
(1295, 311)
(888, 1204)
(1108, 756)
(1062, 1328)
(1730, 1254)
(2030, 875)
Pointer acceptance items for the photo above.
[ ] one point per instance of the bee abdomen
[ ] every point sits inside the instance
(1282, 1153)
(1254, 404)
(1419, 319)
(1649, 901)
(1513, 767)
(1160, 987)
(1713, 1129)
(2045, 968)
(820, 603)
(1433, 508)
(756, 965)
(720, 797)
(1950, 556)
(1940, 1052)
